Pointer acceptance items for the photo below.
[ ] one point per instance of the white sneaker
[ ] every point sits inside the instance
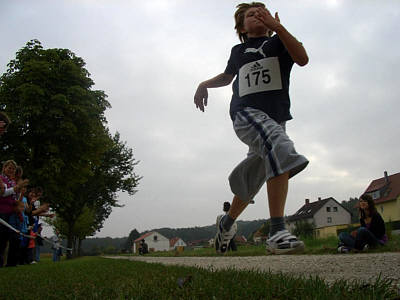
(343, 249)
(283, 242)
(223, 237)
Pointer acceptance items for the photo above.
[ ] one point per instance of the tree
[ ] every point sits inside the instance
(304, 228)
(59, 134)
(133, 235)
(351, 206)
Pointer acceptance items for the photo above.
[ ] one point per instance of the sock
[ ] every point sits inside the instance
(277, 224)
(227, 222)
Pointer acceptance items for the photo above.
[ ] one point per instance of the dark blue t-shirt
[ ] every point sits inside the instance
(262, 68)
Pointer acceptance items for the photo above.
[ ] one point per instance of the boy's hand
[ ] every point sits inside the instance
(269, 21)
(200, 97)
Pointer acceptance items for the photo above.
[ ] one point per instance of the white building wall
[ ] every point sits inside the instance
(338, 216)
(157, 242)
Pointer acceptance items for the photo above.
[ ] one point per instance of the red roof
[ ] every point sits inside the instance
(393, 190)
(173, 241)
(143, 236)
(240, 239)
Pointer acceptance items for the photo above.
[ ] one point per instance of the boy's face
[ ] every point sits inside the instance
(251, 24)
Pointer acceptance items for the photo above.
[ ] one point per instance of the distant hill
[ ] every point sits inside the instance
(92, 246)
(245, 228)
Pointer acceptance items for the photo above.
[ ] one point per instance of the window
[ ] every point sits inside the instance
(376, 195)
(328, 209)
(155, 238)
(335, 208)
(329, 220)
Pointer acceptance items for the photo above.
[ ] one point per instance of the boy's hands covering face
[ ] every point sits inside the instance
(269, 21)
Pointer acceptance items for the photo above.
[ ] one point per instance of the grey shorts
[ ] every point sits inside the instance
(271, 153)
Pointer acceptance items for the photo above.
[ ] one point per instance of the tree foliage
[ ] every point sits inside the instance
(351, 206)
(59, 135)
(304, 228)
(133, 235)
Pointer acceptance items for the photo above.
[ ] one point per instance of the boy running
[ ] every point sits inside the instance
(259, 108)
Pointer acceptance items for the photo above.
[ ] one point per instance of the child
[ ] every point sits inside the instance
(259, 108)
(31, 245)
(231, 244)
(371, 233)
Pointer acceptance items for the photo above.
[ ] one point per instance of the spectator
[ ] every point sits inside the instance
(56, 245)
(232, 244)
(370, 234)
(16, 221)
(39, 243)
(7, 204)
(31, 245)
(143, 249)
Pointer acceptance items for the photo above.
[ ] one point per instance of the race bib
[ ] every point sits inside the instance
(260, 76)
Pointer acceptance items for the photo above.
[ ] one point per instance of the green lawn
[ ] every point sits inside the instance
(100, 278)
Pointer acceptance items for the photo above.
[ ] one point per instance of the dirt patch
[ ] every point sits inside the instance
(365, 267)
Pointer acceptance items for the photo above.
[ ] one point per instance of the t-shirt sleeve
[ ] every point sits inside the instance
(231, 67)
(283, 51)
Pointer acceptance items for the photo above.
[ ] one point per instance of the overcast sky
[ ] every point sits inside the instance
(149, 56)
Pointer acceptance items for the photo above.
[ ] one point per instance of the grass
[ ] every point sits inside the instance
(312, 246)
(100, 278)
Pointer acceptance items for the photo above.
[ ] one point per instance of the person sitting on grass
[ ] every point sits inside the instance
(370, 234)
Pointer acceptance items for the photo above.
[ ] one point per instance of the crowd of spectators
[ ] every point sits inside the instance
(20, 212)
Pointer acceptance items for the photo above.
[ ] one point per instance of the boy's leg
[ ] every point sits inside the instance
(237, 207)
(277, 188)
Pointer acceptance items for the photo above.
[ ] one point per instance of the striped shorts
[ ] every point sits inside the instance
(271, 153)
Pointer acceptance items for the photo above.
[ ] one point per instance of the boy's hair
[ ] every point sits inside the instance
(239, 18)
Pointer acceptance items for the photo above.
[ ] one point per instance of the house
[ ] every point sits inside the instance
(240, 239)
(386, 194)
(176, 242)
(259, 237)
(154, 241)
(327, 215)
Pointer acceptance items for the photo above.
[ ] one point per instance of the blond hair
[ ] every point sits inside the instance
(9, 162)
(239, 18)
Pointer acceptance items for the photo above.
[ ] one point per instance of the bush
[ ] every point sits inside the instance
(304, 228)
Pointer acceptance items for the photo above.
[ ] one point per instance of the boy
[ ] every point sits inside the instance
(259, 108)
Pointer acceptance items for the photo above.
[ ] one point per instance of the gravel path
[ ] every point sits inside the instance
(365, 267)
